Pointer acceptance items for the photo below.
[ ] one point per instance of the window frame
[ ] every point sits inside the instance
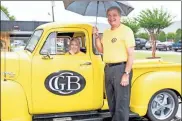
(56, 36)
(31, 51)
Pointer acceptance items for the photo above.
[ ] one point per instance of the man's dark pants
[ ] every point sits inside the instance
(118, 96)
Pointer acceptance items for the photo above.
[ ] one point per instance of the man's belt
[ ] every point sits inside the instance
(115, 64)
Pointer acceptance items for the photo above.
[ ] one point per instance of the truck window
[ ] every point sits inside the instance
(58, 43)
(34, 40)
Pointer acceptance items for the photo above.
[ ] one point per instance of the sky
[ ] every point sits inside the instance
(41, 10)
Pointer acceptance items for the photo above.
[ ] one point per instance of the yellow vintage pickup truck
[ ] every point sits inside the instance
(43, 83)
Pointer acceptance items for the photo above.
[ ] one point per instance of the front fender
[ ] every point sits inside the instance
(145, 86)
(13, 102)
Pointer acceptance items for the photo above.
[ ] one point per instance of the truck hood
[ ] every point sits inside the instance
(9, 65)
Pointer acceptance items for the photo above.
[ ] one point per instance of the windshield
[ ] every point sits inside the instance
(34, 40)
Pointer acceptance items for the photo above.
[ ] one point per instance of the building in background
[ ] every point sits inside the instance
(19, 30)
(4, 36)
(22, 30)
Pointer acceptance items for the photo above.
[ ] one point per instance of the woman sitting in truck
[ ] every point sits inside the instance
(74, 47)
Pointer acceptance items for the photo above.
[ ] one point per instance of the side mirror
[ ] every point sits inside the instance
(47, 56)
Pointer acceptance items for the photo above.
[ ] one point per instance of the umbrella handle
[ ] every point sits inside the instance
(96, 22)
(97, 11)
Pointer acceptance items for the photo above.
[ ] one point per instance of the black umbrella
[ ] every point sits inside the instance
(96, 8)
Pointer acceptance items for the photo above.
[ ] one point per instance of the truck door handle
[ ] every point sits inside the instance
(47, 57)
(86, 63)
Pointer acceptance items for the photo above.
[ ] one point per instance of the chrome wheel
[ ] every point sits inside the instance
(162, 106)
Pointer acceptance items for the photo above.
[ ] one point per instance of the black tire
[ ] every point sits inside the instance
(148, 48)
(170, 48)
(172, 115)
(175, 50)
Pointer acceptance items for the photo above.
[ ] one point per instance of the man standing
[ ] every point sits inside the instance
(117, 46)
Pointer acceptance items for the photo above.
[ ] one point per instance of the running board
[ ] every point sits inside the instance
(78, 116)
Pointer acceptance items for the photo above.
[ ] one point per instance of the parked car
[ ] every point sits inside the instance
(177, 46)
(164, 46)
(17, 43)
(140, 43)
(148, 44)
(19, 48)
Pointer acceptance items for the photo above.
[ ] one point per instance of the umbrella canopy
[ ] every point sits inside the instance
(95, 7)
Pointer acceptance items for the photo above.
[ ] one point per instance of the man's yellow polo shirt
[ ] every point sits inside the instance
(115, 44)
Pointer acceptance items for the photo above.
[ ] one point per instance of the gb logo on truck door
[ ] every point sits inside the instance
(65, 83)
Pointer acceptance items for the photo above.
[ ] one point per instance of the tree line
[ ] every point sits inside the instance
(175, 36)
(153, 21)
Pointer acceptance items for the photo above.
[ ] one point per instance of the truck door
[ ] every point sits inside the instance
(62, 82)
